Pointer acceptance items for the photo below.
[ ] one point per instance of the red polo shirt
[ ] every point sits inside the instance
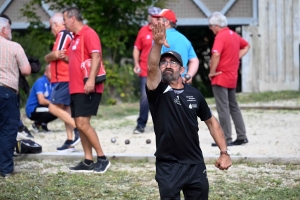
(60, 69)
(91, 45)
(228, 44)
(143, 43)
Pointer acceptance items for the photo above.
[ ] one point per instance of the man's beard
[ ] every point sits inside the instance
(169, 76)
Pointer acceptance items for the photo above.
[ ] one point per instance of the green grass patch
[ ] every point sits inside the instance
(118, 111)
(263, 97)
(135, 180)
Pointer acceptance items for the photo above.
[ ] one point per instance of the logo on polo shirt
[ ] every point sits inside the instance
(191, 106)
(177, 101)
(148, 37)
(76, 43)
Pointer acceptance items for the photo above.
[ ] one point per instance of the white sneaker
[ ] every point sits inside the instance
(24, 134)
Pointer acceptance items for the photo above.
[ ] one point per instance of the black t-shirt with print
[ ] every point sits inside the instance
(174, 114)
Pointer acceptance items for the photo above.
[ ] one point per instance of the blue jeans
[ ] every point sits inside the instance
(144, 108)
(9, 121)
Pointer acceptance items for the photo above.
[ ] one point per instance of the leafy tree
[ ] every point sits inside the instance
(114, 20)
(117, 23)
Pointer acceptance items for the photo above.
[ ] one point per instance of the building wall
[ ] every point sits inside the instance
(272, 63)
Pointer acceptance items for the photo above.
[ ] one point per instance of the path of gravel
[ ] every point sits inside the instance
(270, 133)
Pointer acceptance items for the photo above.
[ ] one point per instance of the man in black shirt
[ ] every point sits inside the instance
(174, 107)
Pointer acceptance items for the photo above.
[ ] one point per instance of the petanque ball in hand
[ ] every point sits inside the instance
(127, 141)
(113, 140)
(187, 77)
(148, 141)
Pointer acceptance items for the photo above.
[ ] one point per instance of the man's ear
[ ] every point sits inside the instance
(181, 70)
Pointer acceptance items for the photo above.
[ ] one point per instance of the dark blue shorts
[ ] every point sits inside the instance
(60, 94)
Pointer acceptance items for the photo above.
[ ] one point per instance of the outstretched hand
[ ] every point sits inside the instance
(159, 34)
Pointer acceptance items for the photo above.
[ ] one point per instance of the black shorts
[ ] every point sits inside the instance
(85, 105)
(172, 177)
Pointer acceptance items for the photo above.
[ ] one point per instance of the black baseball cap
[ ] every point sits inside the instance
(174, 54)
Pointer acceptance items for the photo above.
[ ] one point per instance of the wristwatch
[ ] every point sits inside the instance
(225, 152)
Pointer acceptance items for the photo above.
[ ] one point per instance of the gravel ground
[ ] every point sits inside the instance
(270, 133)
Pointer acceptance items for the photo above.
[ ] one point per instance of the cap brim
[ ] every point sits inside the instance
(156, 16)
(172, 55)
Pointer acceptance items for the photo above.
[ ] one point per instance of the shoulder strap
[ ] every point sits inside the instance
(82, 48)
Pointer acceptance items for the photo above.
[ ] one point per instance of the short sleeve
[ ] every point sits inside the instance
(204, 112)
(138, 41)
(21, 57)
(191, 53)
(243, 43)
(153, 95)
(40, 87)
(92, 42)
(218, 45)
(63, 40)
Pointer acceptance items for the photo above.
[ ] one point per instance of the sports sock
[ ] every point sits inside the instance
(88, 162)
(102, 157)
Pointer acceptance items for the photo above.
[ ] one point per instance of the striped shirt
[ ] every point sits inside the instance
(12, 58)
(60, 69)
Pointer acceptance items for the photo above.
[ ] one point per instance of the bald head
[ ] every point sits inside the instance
(56, 23)
(48, 71)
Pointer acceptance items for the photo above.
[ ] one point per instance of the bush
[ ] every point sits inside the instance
(121, 84)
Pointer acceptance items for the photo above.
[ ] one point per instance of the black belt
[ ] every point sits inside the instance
(2, 85)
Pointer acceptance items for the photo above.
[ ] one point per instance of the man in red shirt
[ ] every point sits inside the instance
(141, 50)
(228, 48)
(60, 97)
(85, 96)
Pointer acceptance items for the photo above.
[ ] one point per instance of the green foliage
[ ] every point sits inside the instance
(36, 43)
(114, 20)
(117, 23)
(120, 84)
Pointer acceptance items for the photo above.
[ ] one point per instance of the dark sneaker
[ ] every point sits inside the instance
(66, 148)
(138, 130)
(45, 128)
(76, 137)
(101, 166)
(24, 134)
(36, 127)
(82, 167)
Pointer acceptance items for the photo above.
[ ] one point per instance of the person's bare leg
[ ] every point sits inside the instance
(59, 112)
(89, 137)
(69, 128)
(87, 147)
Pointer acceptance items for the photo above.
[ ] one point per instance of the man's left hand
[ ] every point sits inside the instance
(223, 162)
(89, 86)
(212, 74)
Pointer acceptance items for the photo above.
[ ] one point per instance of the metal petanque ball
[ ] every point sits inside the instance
(148, 141)
(127, 141)
(113, 140)
(187, 77)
